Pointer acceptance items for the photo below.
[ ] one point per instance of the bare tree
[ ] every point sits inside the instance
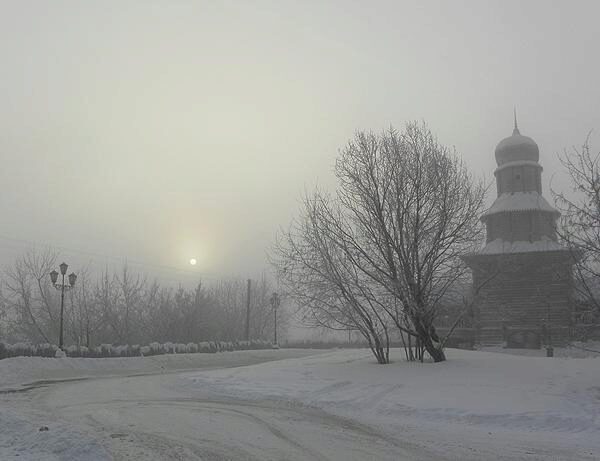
(28, 295)
(580, 221)
(318, 274)
(83, 316)
(227, 317)
(388, 246)
(122, 308)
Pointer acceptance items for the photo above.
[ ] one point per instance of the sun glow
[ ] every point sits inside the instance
(193, 261)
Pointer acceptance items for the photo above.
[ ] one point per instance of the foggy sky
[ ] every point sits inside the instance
(159, 131)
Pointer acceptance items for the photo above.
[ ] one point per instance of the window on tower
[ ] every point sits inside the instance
(517, 186)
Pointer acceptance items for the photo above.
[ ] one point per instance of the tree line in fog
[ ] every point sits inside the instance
(127, 308)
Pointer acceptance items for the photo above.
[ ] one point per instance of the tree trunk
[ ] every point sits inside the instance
(436, 353)
(429, 341)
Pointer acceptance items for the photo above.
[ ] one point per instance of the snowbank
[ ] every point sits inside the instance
(19, 372)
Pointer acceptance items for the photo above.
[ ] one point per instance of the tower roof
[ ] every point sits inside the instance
(520, 201)
(517, 148)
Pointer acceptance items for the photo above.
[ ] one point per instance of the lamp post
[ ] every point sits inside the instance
(275, 302)
(62, 287)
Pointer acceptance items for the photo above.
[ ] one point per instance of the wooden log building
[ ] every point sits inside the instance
(522, 277)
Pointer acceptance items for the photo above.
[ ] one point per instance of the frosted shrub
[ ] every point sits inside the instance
(155, 348)
(45, 350)
(120, 351)
(72, 350)
(169, 348)
(105, 350)
(21, 350)
(261, 344)
(108, 350)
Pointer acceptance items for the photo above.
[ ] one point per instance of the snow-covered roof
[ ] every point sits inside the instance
(500, 246)
(519, 201)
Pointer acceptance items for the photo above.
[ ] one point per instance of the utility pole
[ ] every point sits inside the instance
(248, 311)
(275, 302)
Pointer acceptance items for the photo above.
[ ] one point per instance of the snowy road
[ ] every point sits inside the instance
(159, 416)
(152, 418)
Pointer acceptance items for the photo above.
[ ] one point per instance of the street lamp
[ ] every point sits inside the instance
(275, 302)
(62, 287)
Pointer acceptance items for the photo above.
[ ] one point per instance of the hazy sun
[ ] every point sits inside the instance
(193, 261)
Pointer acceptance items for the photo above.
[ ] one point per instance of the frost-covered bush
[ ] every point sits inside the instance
(72, 351)
(169, 348)
(155, 348)
(120, 351)
(258, 344)
(243, 345)
(104, 350)
(76, 351)
(81, 351)
(45, 350)
(21, 350)
(134, 351)
(109, 350)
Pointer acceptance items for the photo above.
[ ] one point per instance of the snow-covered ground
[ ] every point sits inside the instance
(21, 439)
(333, 405)
(477, 404)
(31, 386)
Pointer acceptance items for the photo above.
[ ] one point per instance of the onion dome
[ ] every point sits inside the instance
(517, 148)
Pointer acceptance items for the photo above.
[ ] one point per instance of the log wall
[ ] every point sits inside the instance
(528, 292)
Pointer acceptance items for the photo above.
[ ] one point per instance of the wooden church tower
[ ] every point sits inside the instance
(522, 277)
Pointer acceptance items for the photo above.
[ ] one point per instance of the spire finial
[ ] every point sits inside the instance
(516, 129)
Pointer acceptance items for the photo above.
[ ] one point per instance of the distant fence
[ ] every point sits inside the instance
(109, 350)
